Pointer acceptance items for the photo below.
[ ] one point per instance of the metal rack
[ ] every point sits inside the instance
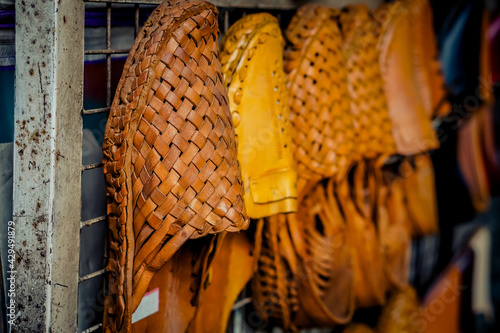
(48, 166)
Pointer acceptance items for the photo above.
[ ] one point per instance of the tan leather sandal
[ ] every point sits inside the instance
(169, 152)
(323, 136)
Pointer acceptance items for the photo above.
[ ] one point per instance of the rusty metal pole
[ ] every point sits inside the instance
(47, 163)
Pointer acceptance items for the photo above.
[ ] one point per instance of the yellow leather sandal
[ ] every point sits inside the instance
(252, 64)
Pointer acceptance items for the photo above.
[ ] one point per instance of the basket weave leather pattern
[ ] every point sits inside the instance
(323, 136)
(372, 124)
(169, 152)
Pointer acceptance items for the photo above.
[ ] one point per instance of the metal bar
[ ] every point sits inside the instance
(47, 163)
(91, 166)
(272, 4)
(93, 221)
(136, 19)
(92, 275)
(241, 303)
(94, 111)
(108, 56)
(226, 21)
(110, 51)
(93, 328)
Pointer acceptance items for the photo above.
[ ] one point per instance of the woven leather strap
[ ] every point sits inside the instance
(326, 293)
(323, 135)
(275, 283)
(169, 152)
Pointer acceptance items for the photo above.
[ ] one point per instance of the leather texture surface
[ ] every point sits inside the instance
(275, 281)
(169, 152)
(326, 292)
(319, 287)
(252, 64)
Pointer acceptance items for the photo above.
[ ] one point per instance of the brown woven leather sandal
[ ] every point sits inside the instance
(322, 145)
(323, 137)
(169, 152)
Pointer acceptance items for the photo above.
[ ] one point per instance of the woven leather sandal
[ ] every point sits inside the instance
(322, 145)
(412, 129)
(252, 64)
(323, 136)
(169, 152)
(372, 125)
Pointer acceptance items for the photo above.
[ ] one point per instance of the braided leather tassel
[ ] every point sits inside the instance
(169, 152)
